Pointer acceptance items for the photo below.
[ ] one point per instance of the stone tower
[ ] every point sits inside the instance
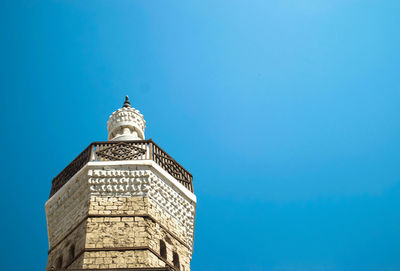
(122, 204)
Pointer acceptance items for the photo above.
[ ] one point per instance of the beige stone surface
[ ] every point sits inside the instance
(67, 208)
(115, 217)
(121, 259)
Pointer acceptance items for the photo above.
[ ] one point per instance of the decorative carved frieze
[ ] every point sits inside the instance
(126, 117)
(128, 183)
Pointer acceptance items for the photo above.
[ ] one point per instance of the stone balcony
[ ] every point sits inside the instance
(124, 151)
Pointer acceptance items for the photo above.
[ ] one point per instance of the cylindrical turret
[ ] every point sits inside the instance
(126, 124)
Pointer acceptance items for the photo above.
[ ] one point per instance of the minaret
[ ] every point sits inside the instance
(122, 204)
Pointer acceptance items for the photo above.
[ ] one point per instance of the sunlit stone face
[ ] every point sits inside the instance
(126, 124)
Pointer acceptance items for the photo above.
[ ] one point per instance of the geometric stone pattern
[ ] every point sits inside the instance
(129, 183)
(126, 117)
(121, 151)
(115, 216)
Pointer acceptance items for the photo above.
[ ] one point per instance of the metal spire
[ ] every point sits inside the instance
(127, 103)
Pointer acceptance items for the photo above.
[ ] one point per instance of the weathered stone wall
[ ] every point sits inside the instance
(67, 208)
(121, 259)
(103, 205)
(69, 248)
(131, 181)
(116, 232)
(115, 216)
(157, 232)
(124, 223)
(136, 206)
(66, 214)
(168, 221)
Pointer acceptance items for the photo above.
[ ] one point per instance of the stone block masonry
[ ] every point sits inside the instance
(111, 216)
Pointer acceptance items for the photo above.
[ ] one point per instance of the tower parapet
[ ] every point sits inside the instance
(122, 204)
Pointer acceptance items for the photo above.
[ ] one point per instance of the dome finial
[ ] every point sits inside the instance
(126, 123)
(127, 103)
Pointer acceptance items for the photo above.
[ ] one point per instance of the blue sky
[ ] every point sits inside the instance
(286, 113)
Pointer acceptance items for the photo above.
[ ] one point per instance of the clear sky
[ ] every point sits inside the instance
(286, 112)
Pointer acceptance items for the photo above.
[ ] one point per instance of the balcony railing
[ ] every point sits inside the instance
(124, 150)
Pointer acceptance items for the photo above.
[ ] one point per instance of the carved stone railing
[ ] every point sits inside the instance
(124, 150)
